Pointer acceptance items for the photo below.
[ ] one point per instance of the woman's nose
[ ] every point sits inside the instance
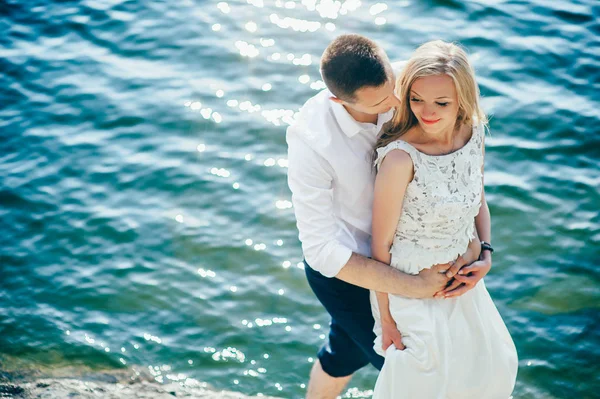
(428, 110)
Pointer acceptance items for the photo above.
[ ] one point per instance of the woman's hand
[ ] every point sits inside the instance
(469, 258)
(390, 335)
(468, 277)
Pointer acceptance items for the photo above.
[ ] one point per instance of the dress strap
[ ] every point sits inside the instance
(394, 145)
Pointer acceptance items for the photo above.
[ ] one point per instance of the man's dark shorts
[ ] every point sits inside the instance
(350, 343)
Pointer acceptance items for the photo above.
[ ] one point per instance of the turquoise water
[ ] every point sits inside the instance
(145, 219)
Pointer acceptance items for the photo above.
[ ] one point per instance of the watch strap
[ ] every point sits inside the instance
(486, 246)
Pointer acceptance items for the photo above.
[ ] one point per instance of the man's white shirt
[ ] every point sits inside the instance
(331, 176)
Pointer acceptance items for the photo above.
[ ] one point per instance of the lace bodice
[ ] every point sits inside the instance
(440, 204)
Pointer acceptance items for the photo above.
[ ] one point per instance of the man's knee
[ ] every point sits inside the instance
(338, 364)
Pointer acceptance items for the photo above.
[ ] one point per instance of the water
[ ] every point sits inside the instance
(144, 211)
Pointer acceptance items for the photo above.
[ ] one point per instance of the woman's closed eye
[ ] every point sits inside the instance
(417, 100)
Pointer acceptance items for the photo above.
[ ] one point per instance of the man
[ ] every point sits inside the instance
(331, 178)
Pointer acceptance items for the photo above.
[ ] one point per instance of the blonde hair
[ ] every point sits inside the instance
(435, 58)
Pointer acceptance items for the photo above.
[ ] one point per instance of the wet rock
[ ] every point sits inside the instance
(104, 387)
(10, 390)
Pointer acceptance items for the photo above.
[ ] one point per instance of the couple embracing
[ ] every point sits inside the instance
(386, 175)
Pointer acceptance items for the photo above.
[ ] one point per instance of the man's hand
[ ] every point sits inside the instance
(432, 280)
(391, 335)
(470, 257)
(468, 277)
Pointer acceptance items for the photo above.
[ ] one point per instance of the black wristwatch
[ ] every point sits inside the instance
(486, 246)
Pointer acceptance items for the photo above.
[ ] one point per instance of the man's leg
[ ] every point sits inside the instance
(323, 386)
(337, 360)
(350, 342)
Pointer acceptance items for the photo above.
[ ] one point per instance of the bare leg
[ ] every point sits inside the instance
(323, 386)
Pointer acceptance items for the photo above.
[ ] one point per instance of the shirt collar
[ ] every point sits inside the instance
(350, 126)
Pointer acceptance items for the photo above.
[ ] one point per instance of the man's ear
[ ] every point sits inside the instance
(336, 100)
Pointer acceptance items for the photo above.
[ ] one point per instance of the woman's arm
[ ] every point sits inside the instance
(394, 175)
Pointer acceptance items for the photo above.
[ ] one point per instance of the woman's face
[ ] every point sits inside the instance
(434, 103)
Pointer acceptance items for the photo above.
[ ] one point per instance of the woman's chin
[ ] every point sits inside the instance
(430, 128)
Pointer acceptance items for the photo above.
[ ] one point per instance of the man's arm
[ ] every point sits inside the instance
(377, 276)
(374, 275)
(310, 179)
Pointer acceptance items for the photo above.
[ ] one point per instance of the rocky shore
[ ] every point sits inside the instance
(113, 384)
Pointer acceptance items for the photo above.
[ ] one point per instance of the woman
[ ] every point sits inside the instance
(428, 192)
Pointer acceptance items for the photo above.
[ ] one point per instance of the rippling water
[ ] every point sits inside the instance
(145, 219)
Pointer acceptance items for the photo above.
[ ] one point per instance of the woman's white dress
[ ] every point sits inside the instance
(459, 347)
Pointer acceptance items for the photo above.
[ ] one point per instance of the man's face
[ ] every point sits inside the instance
(375, 100)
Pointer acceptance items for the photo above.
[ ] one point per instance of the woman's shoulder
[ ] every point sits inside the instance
(478, 130)
(398, 155)
(401, 145)
(395, 155)
(396, 167)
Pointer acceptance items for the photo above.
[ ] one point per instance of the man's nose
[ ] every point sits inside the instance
(395, 101)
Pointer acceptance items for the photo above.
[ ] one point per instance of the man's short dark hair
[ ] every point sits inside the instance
(351, 62)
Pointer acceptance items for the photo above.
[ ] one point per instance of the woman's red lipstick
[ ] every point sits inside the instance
(428, 122)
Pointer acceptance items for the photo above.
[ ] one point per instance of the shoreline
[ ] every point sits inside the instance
(117, 384)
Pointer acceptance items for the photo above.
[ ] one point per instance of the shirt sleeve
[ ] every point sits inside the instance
(310, 179)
